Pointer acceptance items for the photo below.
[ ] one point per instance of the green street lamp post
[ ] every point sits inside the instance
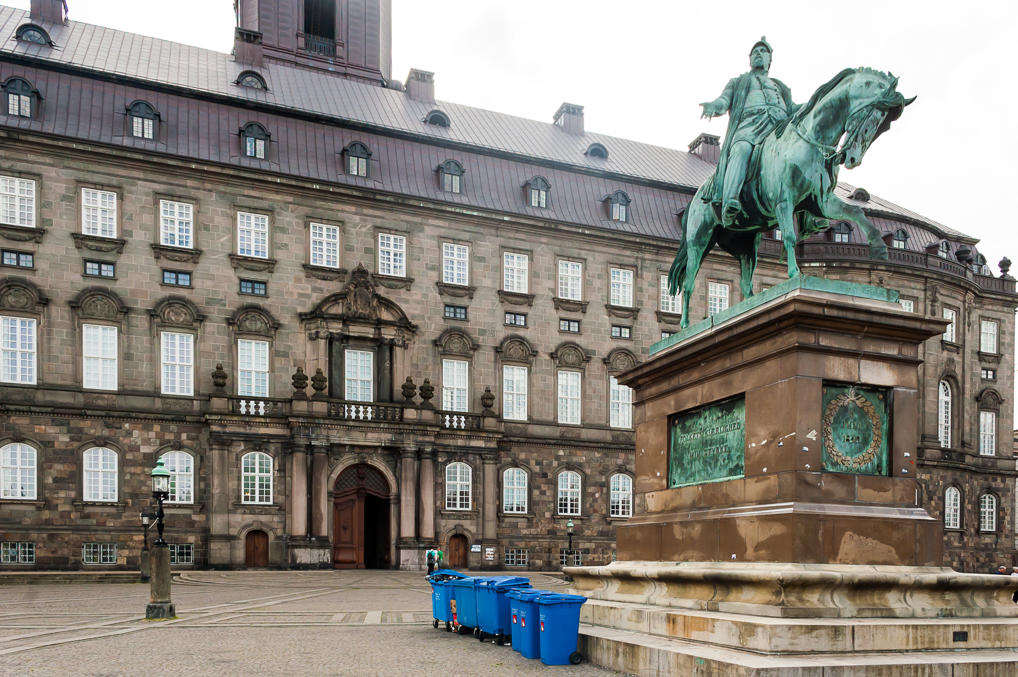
(160, 606)
(569, 532)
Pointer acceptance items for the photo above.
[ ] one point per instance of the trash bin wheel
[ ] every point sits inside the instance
(435, 623)
(481, 636)
(463, 630)
(477, 632)
(576, 658)
(448, 626)
(500, 639)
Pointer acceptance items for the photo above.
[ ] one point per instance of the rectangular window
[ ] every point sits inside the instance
(450, 182)
(517, 557)
(951, 316)
(515, 272)
(516, 319)
(177, 278)
(178, 363)
(176, 224)
(841, 237)
(181, 553)
(717, 297)
(18, 259)
(254, 147)
(514, 393)
(570, 280)
(391, 255)
(569, 326)
(252, 368)
(987, 512)
(621, 287)
(619, 212)
(621, 404)
(254, 287)
(669, 303)
(99, 553)
(988, 336)
(142, 128)
(574, 558)
(455, 263)
(538, 198)
(99, 348)
(324, 245)
(356, 166)
(17, 552)
(454, 385)
(908, 305)
(100, 269)
(987, 433)
(620, 331)
(989, 374)
(19, 104)
(98, 212)
(569, 397)
(17, 201)
(253, 235)
(455, 312)
(359, 373)
(17, 350)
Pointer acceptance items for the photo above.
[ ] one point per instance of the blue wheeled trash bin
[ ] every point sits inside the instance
(441, 595)
(526, 621)
(493, 617)
(464, 604)
(559, 628)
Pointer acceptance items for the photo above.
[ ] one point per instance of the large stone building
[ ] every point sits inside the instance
(355, 321)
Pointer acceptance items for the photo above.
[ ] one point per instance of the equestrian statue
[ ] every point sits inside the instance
(779, 164)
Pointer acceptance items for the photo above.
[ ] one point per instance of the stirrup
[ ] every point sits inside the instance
(731, 210)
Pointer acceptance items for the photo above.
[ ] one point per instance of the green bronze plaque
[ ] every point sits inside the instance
(855, 430)
(708, 444)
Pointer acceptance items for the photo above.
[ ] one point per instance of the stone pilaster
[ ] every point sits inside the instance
(407, 494)
(320, 492)
(426, 495)
(219, 516)
(489, 513)
(298, 508)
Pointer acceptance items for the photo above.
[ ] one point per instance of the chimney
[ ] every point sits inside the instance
(48, 11)
(420, 85)
(247, 46)
(569, 117)
(707, 147)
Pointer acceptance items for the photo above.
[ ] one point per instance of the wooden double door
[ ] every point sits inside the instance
(360, 520)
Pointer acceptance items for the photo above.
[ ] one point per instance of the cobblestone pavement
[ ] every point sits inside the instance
(250, 623)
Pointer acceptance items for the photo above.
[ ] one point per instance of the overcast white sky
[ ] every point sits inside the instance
(641, 67)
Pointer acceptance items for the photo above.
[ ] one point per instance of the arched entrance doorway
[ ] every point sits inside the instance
(457, 555)
(256, 549)
(361, 520)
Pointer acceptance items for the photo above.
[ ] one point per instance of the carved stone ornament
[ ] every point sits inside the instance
(323, 273)
(570, 305)
(453, 342)
(515, 299)
(623, 312)
(99, 244)
(21, 233)
(177, 254)
(668, 318)
(455, 290)
(219, 378)
(99, 307)
(17, 298)
(393, 282)
(253, 323)
(1005, 268)
(427, 392)
(570, 355)
(319, 381)
(252, 263)
(409, 389)
(516, 349)
(620, 360)
(487, 398)
(299, 381)
(361, 300)
(176, 314)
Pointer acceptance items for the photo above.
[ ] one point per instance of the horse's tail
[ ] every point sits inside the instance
(678, 269)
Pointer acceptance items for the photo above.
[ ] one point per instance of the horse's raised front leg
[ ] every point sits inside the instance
(789, 234)
(834, 208)
(699, 235)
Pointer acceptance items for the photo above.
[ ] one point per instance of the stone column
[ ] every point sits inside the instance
(426, 495)
(219, 509)
(490, 509)
(320, 492)
(299, 492)
(407, 494)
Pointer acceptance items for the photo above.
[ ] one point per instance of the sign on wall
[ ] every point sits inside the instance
(855, 430)
(708, 444)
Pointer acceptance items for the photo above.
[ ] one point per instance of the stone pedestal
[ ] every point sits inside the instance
(160, 607)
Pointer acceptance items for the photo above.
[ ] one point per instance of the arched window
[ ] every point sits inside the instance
(944, 414)
(569, 493)
(100, 474)
(514, 490)
(841, 232)
(17, 472)
(253, 140)
(537, 190)
(34, 34)
(596, 150)
(457, 486)
(987, 512)
(143, 119)
(900, 239)
(945, 250)
(618, 206)
(620, 500)
(180, 464)
(450, 175)
(952, 508)
(437, 118)
(252, 80)
(256, 477)
(22, 98)
(357, 156)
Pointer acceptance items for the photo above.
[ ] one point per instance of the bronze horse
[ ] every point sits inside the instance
(792, 177)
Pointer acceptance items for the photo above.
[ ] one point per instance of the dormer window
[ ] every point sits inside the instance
(944, 251)
(841, 232)
(537, 190)
(861, 195)
(143, 120)
(34, 34)
(252, 80)
(22, 98)
(450, 175)
(253, 139)
(618, 206)
(437, 118)
(357, 156)
(598, 151)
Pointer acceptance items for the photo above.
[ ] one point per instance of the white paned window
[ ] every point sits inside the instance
(514, 392)
(17, 552)
(178, 363)
(142, 128)
(951, 316)
(620, 501)
(987, 512)
(324, 245)
(181, 553)
(952, 508)
(669, 303)
(907, 305)
(515, 272)
(455, 376)
(176, 224)
(944, 414)
(570, 280)
(621, 404)
(256, 478)
(252, 368)
(450, 182)
(391, 255)
(19, 104)
(457, 486)
(17, 350)
(356, 165)
(514, 490)
(717, 297)
(17, 201)
(538, 197)
(254, 147)
(619, 211)
(253, 235)
(99, 553)
(455, 263)
(569, 397)
(100, 475)
(98, 212)
(569, 493)
(99, 349)
(18, 472)
(988, 336)
(359, 374)
(987, 433)
(516, 557)
(180, 465)
(621, 293)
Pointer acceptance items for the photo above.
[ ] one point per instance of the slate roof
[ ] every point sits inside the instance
(134, 61)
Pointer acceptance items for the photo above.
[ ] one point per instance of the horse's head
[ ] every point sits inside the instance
(874, 103)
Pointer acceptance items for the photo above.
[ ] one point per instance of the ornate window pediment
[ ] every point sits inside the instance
(516, 349)
(620, 360)
(456, 342)
(570, 355)
(176, 311)
(99, 303)
(989, 399)
(21, 296)
(253, 320)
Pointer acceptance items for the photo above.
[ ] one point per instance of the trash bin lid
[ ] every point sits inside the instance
(560, 598)
(506, 582)
(463, 582)
(526, 593)
(443, 574)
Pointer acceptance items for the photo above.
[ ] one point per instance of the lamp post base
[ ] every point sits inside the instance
(158, 611)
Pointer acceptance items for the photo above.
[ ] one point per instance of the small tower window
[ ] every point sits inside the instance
(900, 239)
(596, 150)
(437, 118)
(537, 190)
(841, 232)
(254, 137)
(945, 249)
(34, 34)
(22, 98)
(357, 156)
(143, 120)
(252, 80)
(451, 176)
(618, 206)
